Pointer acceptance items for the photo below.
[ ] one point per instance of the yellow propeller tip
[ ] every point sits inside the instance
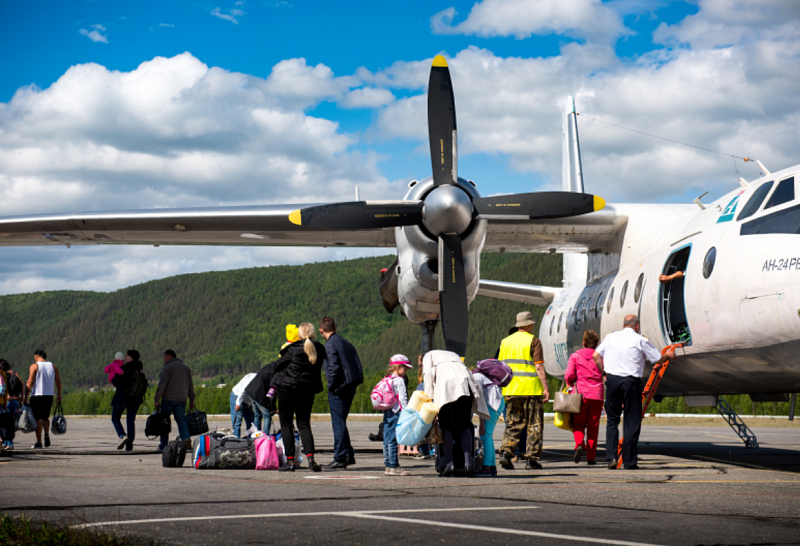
(294, 217)
(599, 203)
(440, 61)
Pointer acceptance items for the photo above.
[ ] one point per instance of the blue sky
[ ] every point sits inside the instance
(108, 105)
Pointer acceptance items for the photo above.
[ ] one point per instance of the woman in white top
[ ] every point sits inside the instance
(43, 381)
(454, 390)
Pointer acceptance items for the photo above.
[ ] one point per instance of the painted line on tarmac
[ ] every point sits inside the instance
(342, 478)
(292, 514)
(365, 515)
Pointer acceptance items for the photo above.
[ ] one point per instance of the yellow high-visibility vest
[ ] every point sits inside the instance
(515, 350)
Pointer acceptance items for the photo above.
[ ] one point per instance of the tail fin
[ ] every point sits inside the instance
(576, 266)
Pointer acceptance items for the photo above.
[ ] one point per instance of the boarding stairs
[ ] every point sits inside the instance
(732, 418)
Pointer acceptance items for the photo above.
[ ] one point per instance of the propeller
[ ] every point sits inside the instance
(447, 211)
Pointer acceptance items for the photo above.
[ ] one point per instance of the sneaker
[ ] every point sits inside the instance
(37, 445)
(578, 454)
(397, 472)
(484, 472)
(421, 456)
(388, 471)
(46, 440)
(505, 461)
(122, 441)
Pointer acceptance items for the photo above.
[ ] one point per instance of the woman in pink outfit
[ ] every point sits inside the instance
(589, 378)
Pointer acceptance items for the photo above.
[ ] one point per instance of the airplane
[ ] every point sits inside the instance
(439, 228)
(731, 294)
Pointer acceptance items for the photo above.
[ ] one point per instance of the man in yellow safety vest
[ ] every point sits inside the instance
(525, 395)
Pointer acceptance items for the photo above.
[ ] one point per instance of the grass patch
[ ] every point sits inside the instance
(20, 531)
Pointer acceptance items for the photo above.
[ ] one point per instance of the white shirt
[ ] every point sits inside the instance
(399, 388)
(624, 353)
(241, 396)
(45, 382)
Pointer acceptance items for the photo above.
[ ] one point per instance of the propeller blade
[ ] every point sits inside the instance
(537, 205)
(453, 306)
(442, 124)
(355, 215)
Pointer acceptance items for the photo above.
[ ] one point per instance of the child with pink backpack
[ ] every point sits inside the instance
(390, 395)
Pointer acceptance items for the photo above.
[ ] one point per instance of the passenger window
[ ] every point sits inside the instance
(599, 309)
(623, 293)
(610, 300)
(755, 201)
(637, 292)
(552, 323)
(561, 316)
(783, 193)
(579, 314)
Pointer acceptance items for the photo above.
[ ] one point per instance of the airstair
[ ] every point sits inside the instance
(732, 418)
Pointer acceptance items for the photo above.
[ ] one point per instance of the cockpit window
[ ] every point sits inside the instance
(783, 193)
(755, 201)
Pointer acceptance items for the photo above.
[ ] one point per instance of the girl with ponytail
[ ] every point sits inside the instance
(298, 378)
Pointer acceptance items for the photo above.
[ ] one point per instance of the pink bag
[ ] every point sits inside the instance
(266, 453)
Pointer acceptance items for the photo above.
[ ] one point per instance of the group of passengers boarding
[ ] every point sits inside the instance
(514, 384)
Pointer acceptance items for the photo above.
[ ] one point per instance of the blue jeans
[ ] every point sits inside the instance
(263, 418)
(245, 411)
(486, 439)
(178, 410)
(339, 405)
(118, 406)
(390, 420)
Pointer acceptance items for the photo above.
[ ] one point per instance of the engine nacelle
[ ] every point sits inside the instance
(418, 257)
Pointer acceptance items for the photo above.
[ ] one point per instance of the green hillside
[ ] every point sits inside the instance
(229, 323)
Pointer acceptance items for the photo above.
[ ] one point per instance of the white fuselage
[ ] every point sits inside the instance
(739, 319)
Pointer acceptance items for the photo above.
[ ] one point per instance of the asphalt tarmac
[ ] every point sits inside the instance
(696, 485)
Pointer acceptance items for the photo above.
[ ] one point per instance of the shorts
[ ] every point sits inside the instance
(41, 406)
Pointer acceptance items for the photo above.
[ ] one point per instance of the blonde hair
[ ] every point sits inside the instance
(393, 368)
(307, 332)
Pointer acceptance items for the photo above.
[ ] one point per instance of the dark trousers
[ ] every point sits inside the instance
(340, 408)
(627, 392)
(118, 406)
(455, 420)
(289, 406)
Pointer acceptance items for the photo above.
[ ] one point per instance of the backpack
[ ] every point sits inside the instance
(14, 384)
(496, 371)
(137, 388)
(174, 453)
(383, 396)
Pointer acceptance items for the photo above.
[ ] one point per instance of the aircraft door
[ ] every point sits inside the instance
(674, 323)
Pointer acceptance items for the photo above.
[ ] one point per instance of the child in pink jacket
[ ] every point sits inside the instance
(115, 368)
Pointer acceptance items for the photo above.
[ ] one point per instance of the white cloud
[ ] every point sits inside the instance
(523, 18)
(95, 35)
(231, 15)
(367, 97)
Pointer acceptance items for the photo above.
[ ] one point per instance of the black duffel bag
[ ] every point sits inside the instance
(174, 453)
(157, 424)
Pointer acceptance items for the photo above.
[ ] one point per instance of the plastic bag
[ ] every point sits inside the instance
(267, 453)
(563, 421)
(298, 451)
(27, 422)
(411, 429)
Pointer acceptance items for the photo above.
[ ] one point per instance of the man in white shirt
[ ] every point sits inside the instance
(622, 356)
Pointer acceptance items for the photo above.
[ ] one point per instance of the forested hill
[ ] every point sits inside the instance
(229, 323)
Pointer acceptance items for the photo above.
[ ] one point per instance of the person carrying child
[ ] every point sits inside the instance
(115, 368)
(398, 365)
(493, 395)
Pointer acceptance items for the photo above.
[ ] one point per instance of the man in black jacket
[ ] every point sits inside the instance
(343, 373)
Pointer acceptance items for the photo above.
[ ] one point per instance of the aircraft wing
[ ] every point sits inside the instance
(593, 232)
(266, 225)
(524, 293)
